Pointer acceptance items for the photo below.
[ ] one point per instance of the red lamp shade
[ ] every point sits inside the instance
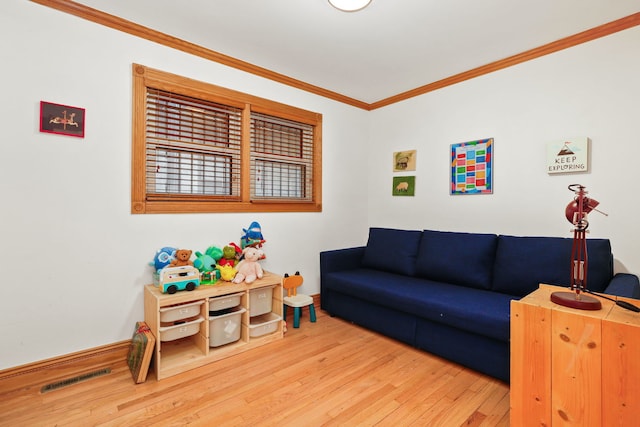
(572, 212)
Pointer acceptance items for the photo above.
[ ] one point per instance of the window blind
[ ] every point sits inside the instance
(192, 147)
(281, 159)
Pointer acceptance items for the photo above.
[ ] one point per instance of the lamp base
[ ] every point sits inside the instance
(574, 300)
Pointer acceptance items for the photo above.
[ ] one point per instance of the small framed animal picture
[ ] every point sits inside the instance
(404, 161)
(62, 119)
(404, 186)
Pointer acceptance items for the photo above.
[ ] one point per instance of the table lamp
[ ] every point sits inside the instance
(576, 213)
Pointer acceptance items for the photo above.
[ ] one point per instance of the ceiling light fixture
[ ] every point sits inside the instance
(349, 5)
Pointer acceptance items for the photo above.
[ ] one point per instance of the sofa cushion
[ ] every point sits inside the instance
(522, 263)
(392, 250)
(475, 310)
(464, 259)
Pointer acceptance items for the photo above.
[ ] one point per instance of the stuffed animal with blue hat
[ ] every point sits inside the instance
(252, 236)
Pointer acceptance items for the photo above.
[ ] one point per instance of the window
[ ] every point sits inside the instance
(281, 159)
(192, 146)
(202, 148)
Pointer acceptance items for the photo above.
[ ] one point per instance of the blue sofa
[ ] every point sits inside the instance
(449, 293)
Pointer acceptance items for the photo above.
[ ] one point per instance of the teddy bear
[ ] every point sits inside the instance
(248, 269)
(182, 257)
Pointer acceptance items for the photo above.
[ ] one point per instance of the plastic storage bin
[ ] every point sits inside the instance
(225, 328)
(225, 301)
(260, 300)
(263, 324)
(180, 312)
(181, 330)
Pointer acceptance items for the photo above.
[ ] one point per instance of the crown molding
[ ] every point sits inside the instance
(141, 31)
(549, 48)
(137, 30)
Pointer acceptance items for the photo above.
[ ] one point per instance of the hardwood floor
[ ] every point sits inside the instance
(330, 373)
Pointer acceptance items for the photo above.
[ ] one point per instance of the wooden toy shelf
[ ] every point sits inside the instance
(189, 352)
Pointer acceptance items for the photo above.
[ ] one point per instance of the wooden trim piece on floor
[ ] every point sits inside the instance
(316, 301)
(100, 356)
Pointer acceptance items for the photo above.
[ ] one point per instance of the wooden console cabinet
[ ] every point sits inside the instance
(573, 367)
(175, 356)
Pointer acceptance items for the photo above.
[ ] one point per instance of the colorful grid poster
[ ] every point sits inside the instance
(472, 167)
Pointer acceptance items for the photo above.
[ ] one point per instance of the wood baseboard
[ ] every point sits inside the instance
(316, 301)
(84, 360)
(97, 356)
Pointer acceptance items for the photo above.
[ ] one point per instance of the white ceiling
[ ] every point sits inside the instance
(388, 48)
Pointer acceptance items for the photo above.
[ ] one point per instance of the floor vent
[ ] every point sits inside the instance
(74, 380)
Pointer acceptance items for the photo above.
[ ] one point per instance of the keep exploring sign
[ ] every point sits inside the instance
(568, 156)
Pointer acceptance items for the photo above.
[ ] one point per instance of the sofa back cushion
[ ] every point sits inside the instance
(522, 263)
(464, 259)
(392, 250)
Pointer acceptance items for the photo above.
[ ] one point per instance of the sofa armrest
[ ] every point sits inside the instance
(624, 285)
(337, 260)
(341, 259)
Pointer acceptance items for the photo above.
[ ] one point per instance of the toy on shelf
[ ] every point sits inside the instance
(210, 277)
(230, 255)
(214, 252)
(249, 269)
(204, 262)
(207, 267)
(227, 272)
(174, 279)
(252, 236)
(182, 257)
(163, 257)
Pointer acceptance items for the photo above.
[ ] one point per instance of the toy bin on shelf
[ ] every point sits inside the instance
(180, 311)
(181, 330)
(225, 301)
(263, 324)
(225, 326)
(260, 300)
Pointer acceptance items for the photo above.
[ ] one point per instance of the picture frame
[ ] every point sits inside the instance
(404, 161)
(570, 155)
(403, 186)
(62, 119)
(140, 352)
(472, 167)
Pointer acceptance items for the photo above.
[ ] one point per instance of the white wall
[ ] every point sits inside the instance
(73, 259)
(590, 90)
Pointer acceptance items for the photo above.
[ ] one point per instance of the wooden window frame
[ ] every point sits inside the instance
(145, 203)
